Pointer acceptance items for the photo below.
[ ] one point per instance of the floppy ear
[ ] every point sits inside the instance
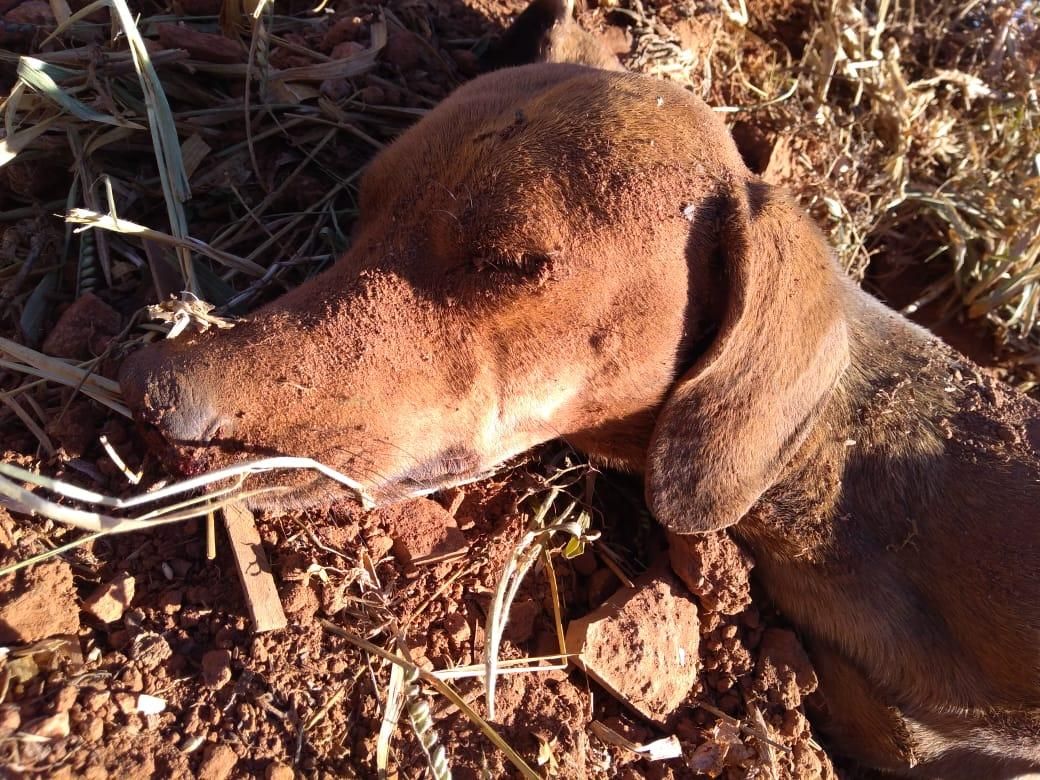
(735, 419)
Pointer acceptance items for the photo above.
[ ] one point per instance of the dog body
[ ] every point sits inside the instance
(898, 540)
(563, 251)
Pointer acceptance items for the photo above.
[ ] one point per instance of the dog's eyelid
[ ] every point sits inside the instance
(532, 263)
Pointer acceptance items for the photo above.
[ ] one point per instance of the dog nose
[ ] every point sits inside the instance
(164, 395)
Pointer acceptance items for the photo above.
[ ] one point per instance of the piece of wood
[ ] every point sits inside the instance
(265, 607)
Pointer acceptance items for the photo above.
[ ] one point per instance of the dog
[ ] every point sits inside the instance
(559, 250)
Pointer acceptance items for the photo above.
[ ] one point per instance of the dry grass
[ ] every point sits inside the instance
(910, 131)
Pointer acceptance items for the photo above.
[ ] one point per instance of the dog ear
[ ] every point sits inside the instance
(546, 32)
(734, 420)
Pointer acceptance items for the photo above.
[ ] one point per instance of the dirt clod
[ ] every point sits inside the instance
(784, 669)
(202, 46)
(84, 329)
(42, 603)
(109, 601)
(278, 771)
(218, 763)
(423, 533)
(642, 645)
(216, 668)
(714, 568)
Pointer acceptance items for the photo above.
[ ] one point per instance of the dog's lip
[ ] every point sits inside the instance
(446, 471)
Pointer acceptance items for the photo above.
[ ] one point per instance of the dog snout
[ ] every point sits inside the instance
(169, 400)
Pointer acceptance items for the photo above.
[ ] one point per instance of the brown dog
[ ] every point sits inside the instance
(558, 250)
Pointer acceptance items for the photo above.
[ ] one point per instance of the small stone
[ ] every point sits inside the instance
(39, 603)
(95, 699)
(94, 730)
(456, 626)
(127, 703)
(346, 50)
(278, 771)
(346, 29)
(642, 645)
(35, 12)
(170, 601)
(216, 668)
(84, 329)
(131, 679)
(10, 719)
(207, 47)
(715, 569)
(66, 698)
(108, 602)
(784, 670)
(218, 763)
(379, 545)
(403, 49)
(300, 601)
(54, 727)
(150, 650)
(423, 533)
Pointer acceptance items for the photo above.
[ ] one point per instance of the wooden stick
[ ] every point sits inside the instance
(253, 569)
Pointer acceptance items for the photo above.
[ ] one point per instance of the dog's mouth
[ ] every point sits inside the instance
(283, 490)
(449, 469)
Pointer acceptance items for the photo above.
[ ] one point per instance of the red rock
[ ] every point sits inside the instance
(278, 771)
(784, 670)
(403, 49)
(95, 699)
(218, 763)
(346, 50)
(457, 627)
(108, 602)
(66, 698)
(39, 603)
(301, 602)
(54, 727)
(10, 719)
(150, 650)
(216, 668)
(642, 645)
(423, 533)
(84, 329)
(207, 47)
(37, 12)
(126, 702)
(714, 568)
(94, 730)
(346, 29)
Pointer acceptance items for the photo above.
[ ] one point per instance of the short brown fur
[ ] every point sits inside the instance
(564, 251)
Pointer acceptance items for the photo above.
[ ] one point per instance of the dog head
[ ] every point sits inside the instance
(555, 250)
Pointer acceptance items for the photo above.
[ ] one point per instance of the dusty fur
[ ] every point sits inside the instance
(558, 250)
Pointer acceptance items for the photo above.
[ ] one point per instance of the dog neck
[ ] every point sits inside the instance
(881, 421)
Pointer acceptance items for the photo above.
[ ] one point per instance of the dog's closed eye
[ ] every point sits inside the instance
(526, 265)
